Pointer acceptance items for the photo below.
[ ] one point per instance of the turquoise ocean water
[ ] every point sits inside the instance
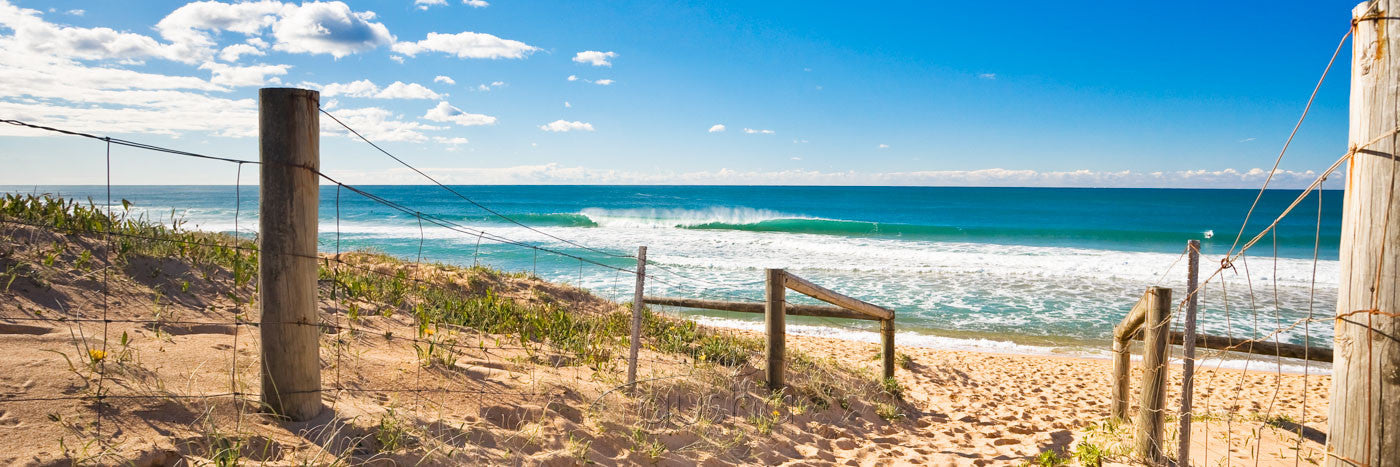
(1001, 269)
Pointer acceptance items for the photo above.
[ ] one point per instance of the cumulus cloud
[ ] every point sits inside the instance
(573, 78)
(231, 53)
(603, 82)
(445, 112)
(444, 79)
(467, 45)
(883, 146)
(752, 131)
(492, 85)
(595, 58)
(77, 12)
(561, 125)
(367, 89)
(189, 28)
(329, 28)
(240, 76)
(476, 3)
(717, 128)
(34, 34)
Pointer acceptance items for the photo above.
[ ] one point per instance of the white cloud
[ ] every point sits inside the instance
(567, 104)
(573, 78)
(883, 146)
(424, 4)
(795, 158)
(488, 87)
(240, 76)
(367, 89)
(987, 76)
(595, 58)
(231, 53)
(377, 124)
(560, 175)
(445, 112)
(328, 28)
(189, 27)
(563, 126)
(358, 88)
(476, 3)
(717, 128)
(752, 131)
(400, 90)
(32, 33)
(603, 82)
(77, 12)
(1246, 140)
(467, 45)
(444, 79)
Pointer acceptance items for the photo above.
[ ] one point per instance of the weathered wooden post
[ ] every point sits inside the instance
(1122, 357)
(887, 346)
(637, 316)
(1152, 400)
(1363, 417)
(775, 305)
(1188, 357)
(289, 147)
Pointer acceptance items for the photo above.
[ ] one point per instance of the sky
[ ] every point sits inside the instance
(1184, 94)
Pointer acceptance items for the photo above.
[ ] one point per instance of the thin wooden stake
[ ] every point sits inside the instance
(1188, 363)
(887, 344)
(637, 316)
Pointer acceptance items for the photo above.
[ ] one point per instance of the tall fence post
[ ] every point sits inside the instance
(637, 316)
(1148, 442)
(775, 305)
(1188, 358)
(289, 189)
(1363, 417)
(887, 347)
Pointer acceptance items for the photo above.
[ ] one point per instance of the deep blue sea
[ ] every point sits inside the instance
(1006, 269)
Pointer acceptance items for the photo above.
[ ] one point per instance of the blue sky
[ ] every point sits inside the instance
(903, 93)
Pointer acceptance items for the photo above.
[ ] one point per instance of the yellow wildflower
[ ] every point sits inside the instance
(701, 357)
(97, 355)
(775, 413)
(428, 331)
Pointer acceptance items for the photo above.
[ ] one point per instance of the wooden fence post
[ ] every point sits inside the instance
(1188, 358)
(1363, 417)
(887, 344)
(1148, 442)
(1122, 365)
(637, 316)
(289, 147)
(775, 304)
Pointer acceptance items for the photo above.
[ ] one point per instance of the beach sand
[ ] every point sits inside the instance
(185, 387)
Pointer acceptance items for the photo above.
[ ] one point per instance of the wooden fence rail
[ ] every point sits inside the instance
(778, 281)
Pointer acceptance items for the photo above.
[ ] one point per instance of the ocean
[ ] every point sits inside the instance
(1021, 270)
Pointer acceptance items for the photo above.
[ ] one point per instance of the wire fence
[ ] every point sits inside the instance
(406, 331)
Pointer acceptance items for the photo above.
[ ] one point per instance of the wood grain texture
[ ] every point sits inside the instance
(818, 292)
(1364, 410)
(1147, 443)
(637, 305)
(776, 300)
(289, 191)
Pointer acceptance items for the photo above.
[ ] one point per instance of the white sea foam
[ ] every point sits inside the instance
(664, 218)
